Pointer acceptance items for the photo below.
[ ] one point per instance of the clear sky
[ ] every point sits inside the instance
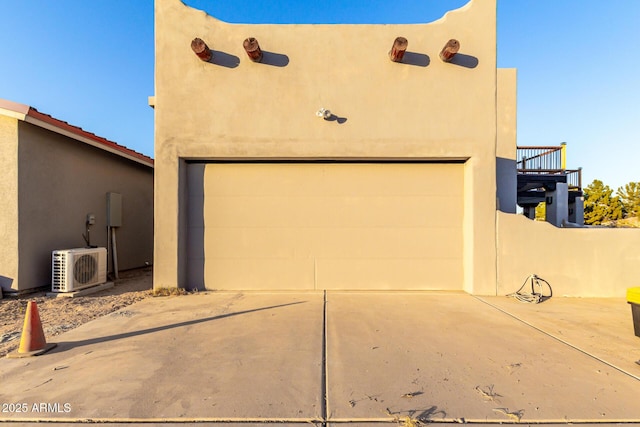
(90, 63)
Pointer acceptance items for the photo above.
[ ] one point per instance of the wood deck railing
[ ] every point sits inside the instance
(547, 160)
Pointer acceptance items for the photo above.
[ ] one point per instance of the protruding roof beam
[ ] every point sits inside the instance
(449, 50)
(201, 49)
(397, 50)
(252, 48)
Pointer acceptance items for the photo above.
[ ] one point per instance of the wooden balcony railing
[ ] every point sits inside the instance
(541, 157)
(547, 160)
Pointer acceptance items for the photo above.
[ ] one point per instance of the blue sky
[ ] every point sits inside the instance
(90, 63)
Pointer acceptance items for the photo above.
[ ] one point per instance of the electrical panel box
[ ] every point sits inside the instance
(114, 210)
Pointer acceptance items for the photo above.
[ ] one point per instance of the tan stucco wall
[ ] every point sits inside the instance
(259, 110)
(9, 197)
(61, 181)
(584, 262)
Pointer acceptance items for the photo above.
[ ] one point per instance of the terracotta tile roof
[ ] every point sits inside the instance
(33, 116)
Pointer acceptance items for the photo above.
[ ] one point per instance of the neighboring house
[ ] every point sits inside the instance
(52, 177)
(409, 183)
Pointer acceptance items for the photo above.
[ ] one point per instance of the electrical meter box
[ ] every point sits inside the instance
(114, 210)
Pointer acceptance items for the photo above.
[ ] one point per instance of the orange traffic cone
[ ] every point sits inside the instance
(32, 341)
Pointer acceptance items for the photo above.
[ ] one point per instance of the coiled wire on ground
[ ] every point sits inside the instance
(533, 296)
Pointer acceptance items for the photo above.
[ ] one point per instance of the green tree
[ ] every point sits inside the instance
(630, 198)
(600, 205)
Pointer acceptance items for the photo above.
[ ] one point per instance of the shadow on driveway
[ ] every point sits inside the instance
(64, 346)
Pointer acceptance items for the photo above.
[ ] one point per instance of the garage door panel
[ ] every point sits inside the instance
(314, 211)
(383, 243)
(321, 242)
(337, 225)
(303, 179)
(259, 274)
(249, 180)
(384, 274)
(254, 242)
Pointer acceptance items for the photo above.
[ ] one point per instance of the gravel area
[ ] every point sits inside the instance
(59, 315)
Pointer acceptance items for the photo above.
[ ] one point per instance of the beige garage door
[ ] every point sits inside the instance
(281, 226)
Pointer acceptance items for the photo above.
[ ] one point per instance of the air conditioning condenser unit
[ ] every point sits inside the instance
(75, 269)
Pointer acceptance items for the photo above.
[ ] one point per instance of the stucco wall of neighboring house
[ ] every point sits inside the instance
(61, 181)
(422, 109)
(578, 262)
(9, 198)
(506, 171)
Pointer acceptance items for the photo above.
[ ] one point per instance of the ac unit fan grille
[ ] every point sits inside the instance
(85, 268)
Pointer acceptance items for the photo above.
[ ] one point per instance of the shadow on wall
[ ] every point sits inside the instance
(422, 60)
(195, 227)
(334, 118)
(227, 60)
(231, 61)
(463, 60)
(417, 59)
(506, 183)
(224, 59)
(6, 282)
(274, 59)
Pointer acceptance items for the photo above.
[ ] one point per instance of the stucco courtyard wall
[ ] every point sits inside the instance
(578, 262)
(233, 109)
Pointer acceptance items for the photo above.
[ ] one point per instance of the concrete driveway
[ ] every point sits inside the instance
(361, 358)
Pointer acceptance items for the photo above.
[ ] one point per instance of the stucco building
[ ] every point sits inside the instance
(53, 177)
(409, 182)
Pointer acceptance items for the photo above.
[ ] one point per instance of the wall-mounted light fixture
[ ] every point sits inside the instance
(252, 48)
(397, 50)
(323, 113)
(201, 49)
(449, 50)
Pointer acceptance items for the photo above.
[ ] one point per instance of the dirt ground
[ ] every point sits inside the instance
(62, 314)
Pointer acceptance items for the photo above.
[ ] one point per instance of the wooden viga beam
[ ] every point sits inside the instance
(201, 49)
(449, 50)
(252, 48)
(398, 49)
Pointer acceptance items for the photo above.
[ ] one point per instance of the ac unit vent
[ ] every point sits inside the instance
(75, 269)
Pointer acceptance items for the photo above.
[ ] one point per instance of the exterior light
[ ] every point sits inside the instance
(201, 49)
(397, 50)
(449, 50)
(252, 48)
(323, 113)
